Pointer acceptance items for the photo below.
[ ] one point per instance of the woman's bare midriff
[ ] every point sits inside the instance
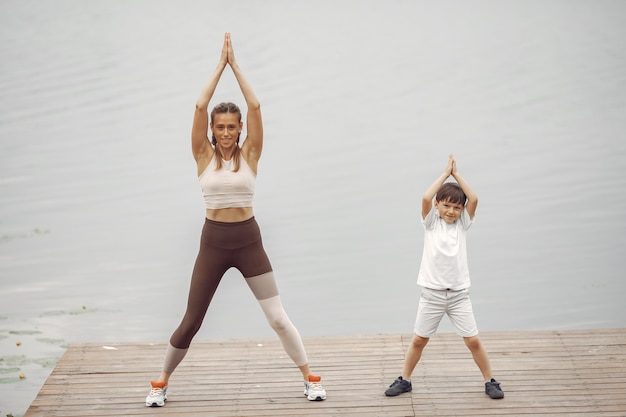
(230, 215)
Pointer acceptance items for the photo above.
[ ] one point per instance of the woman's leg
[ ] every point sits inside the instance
(286, 331)
(265, 291)
(252, 261)
(173, 357)
(205, 278)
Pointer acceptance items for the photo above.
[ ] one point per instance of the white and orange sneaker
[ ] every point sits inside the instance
(313, 389)
(157, 395)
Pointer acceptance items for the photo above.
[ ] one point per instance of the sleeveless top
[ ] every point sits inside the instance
(225, 188)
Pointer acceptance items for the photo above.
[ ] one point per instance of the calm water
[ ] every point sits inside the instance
(100, 211)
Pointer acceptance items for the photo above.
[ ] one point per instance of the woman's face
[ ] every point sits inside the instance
(226, 128)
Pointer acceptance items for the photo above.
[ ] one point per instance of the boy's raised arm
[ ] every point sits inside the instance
(427, 199)
(472, 198)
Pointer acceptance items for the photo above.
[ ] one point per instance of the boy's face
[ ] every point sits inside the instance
(448, 211)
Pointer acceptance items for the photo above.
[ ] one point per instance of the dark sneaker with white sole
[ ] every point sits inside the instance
(399, 386)
(493, 390)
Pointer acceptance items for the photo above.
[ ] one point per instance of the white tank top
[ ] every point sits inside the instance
(225, 188)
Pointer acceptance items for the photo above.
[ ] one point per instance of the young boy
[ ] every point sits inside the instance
(444, 276)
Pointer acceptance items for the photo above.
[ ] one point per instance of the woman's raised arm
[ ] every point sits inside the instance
(253, 144)
(200, 145)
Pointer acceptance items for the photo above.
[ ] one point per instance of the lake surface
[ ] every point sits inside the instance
(100, 210)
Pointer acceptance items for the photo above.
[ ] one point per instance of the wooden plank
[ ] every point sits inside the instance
(545, 373)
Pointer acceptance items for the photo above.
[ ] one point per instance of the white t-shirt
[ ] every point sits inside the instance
(444, 259)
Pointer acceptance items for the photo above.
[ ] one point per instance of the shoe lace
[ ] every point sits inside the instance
(156, 392)
(495, 385)
(315, 386)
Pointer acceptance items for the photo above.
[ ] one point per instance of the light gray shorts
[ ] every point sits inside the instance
(434, 304)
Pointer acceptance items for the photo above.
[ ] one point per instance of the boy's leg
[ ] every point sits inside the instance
(402, 384)
(413, 355)
(480, 356)
(430, 310)
(492, 387)
(462, 316)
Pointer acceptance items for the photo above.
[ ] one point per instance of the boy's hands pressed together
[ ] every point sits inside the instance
(472, 198)
(427, 199)
(453, 171)
(450, 168)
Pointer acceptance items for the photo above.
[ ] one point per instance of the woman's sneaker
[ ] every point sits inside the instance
(157, 395)
(399, 386)
(313, 390)
(493, 390)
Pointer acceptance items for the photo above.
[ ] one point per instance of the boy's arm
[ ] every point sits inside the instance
(472, 198)
(427, 199)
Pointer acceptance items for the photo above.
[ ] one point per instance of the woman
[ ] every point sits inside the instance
(230, 236)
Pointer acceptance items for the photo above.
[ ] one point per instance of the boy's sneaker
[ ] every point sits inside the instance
(313, 390)
(157, 395)
(493, 390)
(399, 386)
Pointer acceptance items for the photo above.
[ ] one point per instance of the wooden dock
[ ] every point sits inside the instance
(543, 373)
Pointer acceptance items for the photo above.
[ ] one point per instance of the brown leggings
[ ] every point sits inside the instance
(224, 246)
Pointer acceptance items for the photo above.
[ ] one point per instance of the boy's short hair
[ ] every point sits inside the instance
(451, 192)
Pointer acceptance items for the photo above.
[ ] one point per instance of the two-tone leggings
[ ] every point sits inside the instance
(224, 246)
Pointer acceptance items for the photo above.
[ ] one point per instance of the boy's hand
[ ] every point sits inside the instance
(451, 167)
